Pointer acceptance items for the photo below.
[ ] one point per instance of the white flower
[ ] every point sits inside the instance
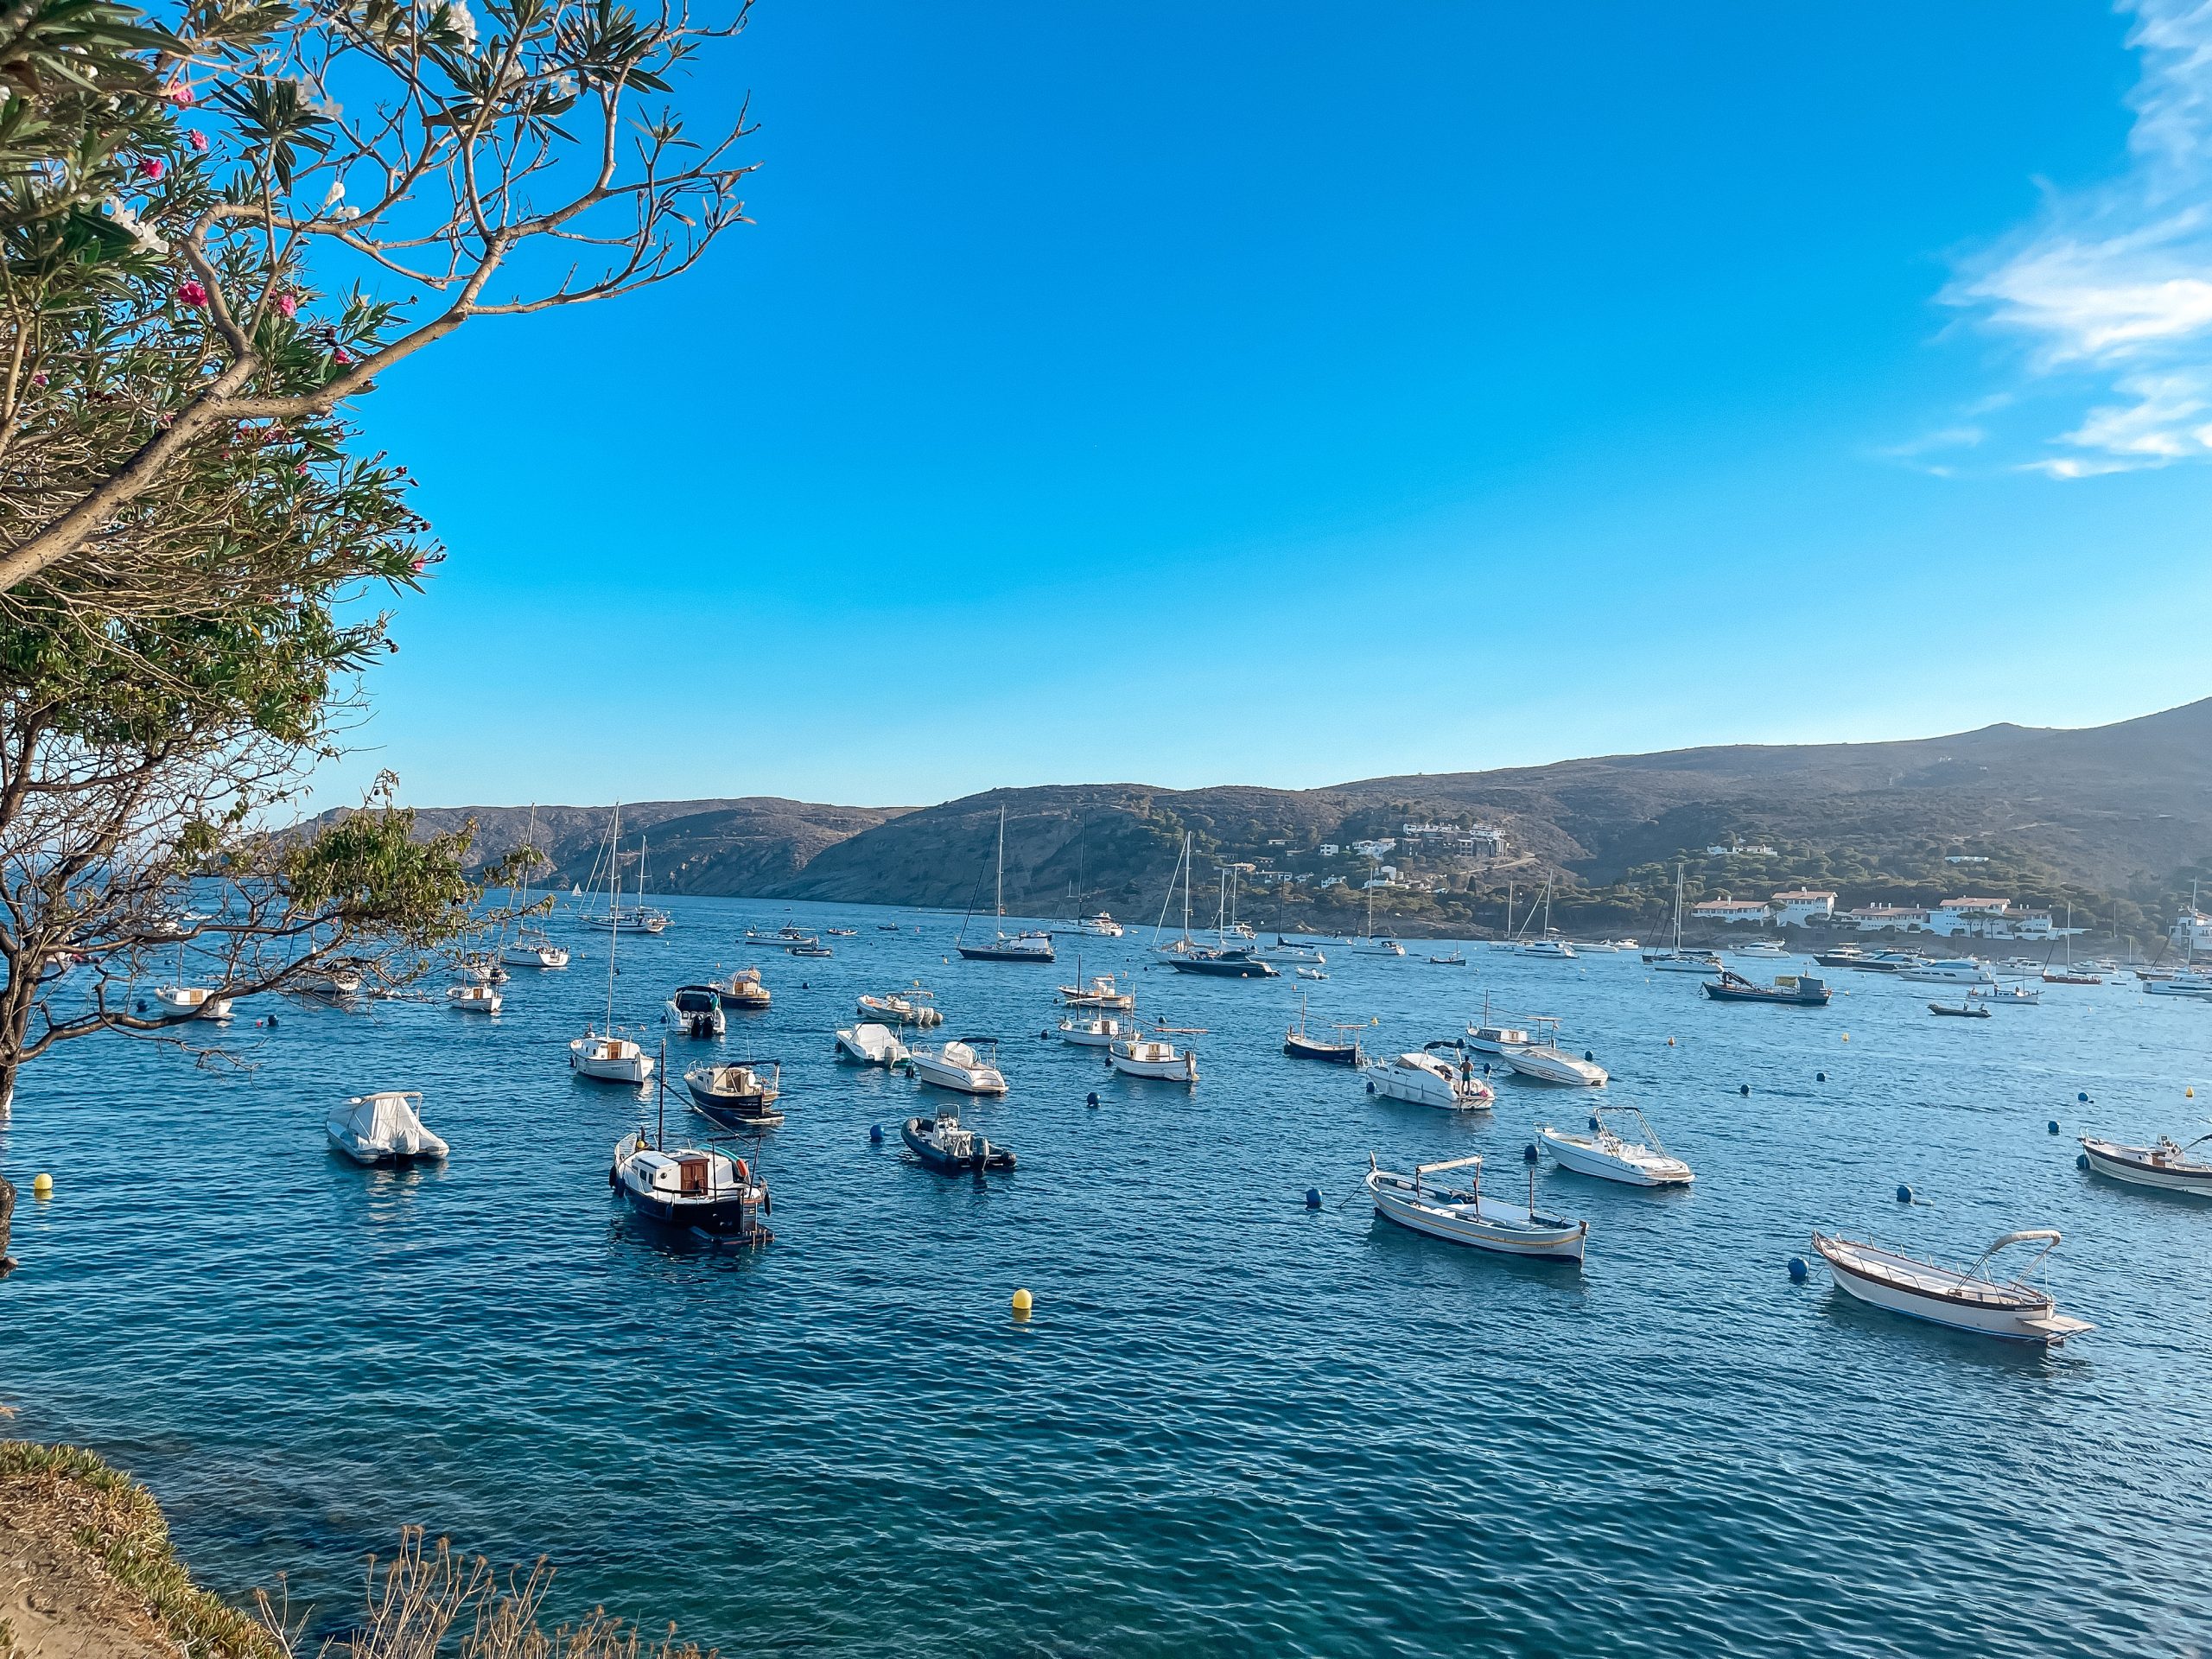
(336, 195)
(143, 234)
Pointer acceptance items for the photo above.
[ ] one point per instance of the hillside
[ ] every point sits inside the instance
(2089, 816)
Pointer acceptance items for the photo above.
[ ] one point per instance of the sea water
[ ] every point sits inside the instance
(1233, 1425)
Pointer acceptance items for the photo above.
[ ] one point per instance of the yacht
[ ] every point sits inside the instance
(1423, 1079)
(1221, 964)
(2183, 983)
(1027, 946)
(871, 1045)
(529, 948)
(1288, 951)
(696, 1011)
(962, 1065)
(1965, 1298)
(1101, 927)
(1950, 971)
(1545, 949)
(1766, 949)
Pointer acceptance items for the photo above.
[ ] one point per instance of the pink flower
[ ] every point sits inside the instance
(287, 305)
(181, 95)
(38, 379)
(199, 143)
(193, 295)
(302, 469)
(151, 168)
(341, 358)
(418, 567)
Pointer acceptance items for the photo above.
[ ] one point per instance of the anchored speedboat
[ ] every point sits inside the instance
(696, 1010)
(871, 1045)
(941, 1143)
(1425, 1080)
(962, 1065)
(1612, 1156)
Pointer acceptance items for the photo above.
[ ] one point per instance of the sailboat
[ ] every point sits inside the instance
(196, 1001)
(608, 1056)
(638, 918)
(1230, 957)
(531, 948)
(1367, 944)
(1183, 943)
(1677, 960)
(1004, 946)
(1101, 927)
(1550, 947)
(2068, 975)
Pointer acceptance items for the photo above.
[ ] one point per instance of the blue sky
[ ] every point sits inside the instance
(1295, 393)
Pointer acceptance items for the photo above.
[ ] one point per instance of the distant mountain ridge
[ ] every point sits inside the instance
(2103, 806)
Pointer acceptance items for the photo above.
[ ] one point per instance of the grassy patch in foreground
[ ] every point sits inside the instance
(121, 1527)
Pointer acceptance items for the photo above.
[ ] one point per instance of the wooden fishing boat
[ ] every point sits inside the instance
(2163, 1164)
(740, 1095)
(1466, 1216)
(1788, 990)
(1965, 1298)
(715, 1195)
(1154, 1057)
(743, 990)
(1302, 1045)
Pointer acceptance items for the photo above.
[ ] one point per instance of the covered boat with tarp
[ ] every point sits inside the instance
(384, 1128)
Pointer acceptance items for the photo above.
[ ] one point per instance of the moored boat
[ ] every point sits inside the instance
(1609, 1155)
(2163, 1164)
(610, 1059)
(1139, 1055)
(871, 1045)
(743, 990)
(384, 1128)
(1545, 1061)
(943, 1145)
(968, 1064)
(1302, 1045)
(1423, 1079)
(1027, 946)
(1466, 1217)
(1221, 964)
(912, 1007)
(1960, 1010)
(475, 998)
(1094, 1030)
(1965, 1298)
(696, 1010)
(739, 1094)
(1791, 991)
(712, 1194)
(1100, 991)
(2182, 982)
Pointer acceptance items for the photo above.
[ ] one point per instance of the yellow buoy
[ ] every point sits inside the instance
(2192, 1093)
(1022, 1302)
(41, 1185)
(1846, 1036)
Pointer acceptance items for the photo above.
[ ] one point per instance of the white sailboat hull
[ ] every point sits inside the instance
(616, 1063)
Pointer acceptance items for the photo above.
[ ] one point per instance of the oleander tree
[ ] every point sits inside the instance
(221, 222)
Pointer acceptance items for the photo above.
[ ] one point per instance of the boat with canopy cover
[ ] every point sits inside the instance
(1965, 1298)
(1464, 1215)
(384, 1128)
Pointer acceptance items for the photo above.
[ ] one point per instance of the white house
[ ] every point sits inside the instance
(1330, 849)
(1802, 904)
(1374, 849)
(1759, 850)
(1729, 910)
(1429, 831)
(1964, 858)
(1874, 918)
(1385, 875)
(1328, 881)
(2192, 931)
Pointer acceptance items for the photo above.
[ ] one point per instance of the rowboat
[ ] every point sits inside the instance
(1467, 1218)
(2163, 1164)
(1965, 1298)
(1609, 1155)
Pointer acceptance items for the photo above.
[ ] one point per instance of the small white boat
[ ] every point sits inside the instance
(531, 949)
(2182, 984)
(1495, 1037)
(475, 998)
(1767, 950)
(711, 1194)
(481, 968)
(1101, 927)
(1101, 991)
(1681, 962)
(696, 1011)
(1094, 1031)
(1377, 948)
(912, 1007)
(1999, 996)
(384, 1128)
(1606, 1153)
(1423, 1079)
(1138, 1056)
(962, 1065)
(1288, 951)
(609, 1059)
(195, 1001)
(333, 983)
(742, 990)
(1965, 1298)
(1545, 1061)
(1545, 949)
(2163, 1164)
(1310, 973)
(870, 1044)
(1466, 1216)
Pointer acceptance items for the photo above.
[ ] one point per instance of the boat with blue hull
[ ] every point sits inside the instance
(1791, 991)
(944, 1146)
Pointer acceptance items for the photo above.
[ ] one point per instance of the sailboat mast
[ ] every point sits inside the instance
(613, 909)
(1002, 878)
(1187, 884)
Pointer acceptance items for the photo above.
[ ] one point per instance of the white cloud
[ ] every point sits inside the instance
(2114, 285)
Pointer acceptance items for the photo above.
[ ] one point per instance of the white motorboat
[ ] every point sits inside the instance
(1309, 973)
(1288, 950)
(2183, 983)
(1377, 947)
(331, 981)
(963, 1064)
(1488, 1036)
(696, 1011)
(1950, 971)
(1609, 1155)
(870, 1044)
(196, 1001)
(1101, 991)
(738, 1095)
(1466, 1216)
(912, 1007)
(1094, 1030)
(1998, 996)
(1553, 949)
(1767, 950)
(384, 1128)
(1545, 1061)
(1601, 947)
(1965, 1298)
(610, 1059)
(2163, 1164)
(1423, 1079)
(1137, 1056)
(1101, 927)
(711, 1194)
(475, 998)
(534, 950)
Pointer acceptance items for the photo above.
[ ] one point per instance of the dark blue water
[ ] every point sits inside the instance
(1232, 1425)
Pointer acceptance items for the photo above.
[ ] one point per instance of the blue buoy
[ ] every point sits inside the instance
(1905, 1193)
(1529, 1154)
(272, 1022)
(1589, 1055)
(875, 1134)
(1593, 1122)
(1796, 1270)
(1092, 1099)
(142, 1009)
(1485, 1068)
(1820, 1076)
(804, 986)
(1043, 1036)
(1312, 1198)
(2053, 1125)
(2084, 1099)
(1371, 1088)
(1743, 1088)
(2081, 1160)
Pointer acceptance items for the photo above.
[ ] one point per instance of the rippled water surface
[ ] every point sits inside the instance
(1232, 1425)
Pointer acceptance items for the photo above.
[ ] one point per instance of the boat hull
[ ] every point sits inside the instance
(1223, 967)
(993, 953)
(620, 1068)
(915, 1132)
(1184, 1068)
(966, 1080)
(2133, 1166)
(1460, 1225)
(2030, 1321)
(1548, 1065)
(1300, 1048)
(1585, 1159)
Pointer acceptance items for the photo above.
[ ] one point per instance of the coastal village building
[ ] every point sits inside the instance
(1761, 850)
(1729, 910)
(1803, 906)
(1982, 918)
(1374, 849)
(1874, 919)
(2192, 931)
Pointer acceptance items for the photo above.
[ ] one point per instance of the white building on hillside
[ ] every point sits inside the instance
(1989, 919)
(1804, 904)
(1374, 849)
(1729, 910)
(2193, 931)
(1875, 918)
